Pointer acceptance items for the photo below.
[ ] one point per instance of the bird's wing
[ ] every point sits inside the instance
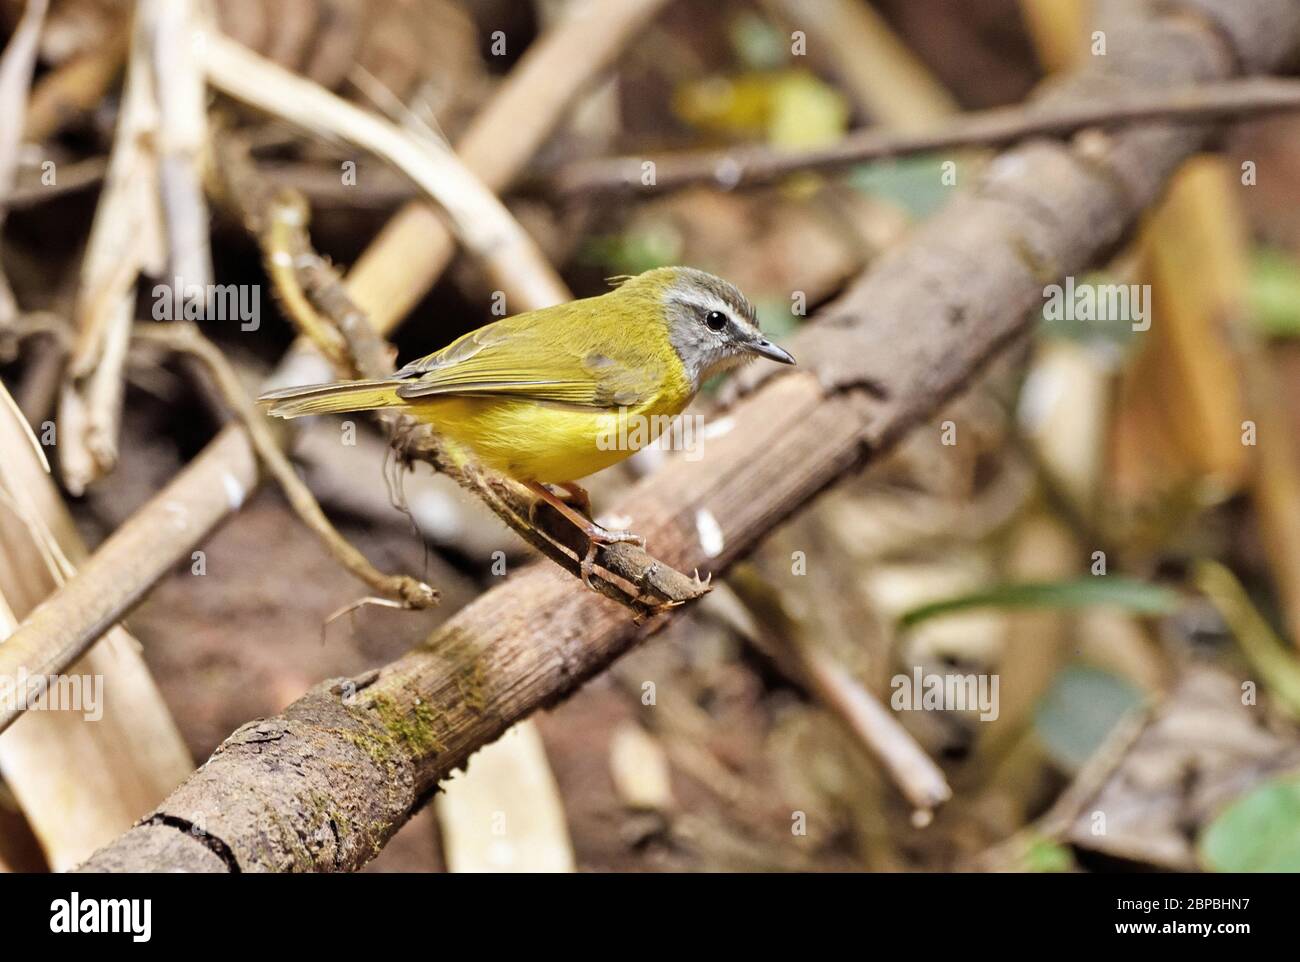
(491, 362)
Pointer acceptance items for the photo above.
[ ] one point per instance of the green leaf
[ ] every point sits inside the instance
(1079, 711)
(1045, 855)
(1275, 292)
(805, 112)
(1124, 593)
(757, 42)
(1259, 832)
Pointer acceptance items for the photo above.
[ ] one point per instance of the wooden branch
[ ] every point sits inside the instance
(1231, 100)
(910, 334)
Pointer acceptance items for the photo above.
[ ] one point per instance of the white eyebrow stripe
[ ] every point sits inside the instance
(711, 302)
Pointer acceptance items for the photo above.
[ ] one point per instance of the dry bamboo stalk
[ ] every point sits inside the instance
(1204, 259)
(479, 219)
(125, 240)
(16, 66)
(504, 813)
(899, 344)
(182, 141)
(1058, 31)
(136, 555)
(77, 780)
(408, 255)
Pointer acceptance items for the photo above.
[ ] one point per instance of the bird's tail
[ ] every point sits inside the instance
(333, 398)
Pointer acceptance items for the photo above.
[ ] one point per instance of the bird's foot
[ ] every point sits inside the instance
(576, 495)
(598, 536)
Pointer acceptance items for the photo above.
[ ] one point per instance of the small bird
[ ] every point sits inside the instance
(536, 397)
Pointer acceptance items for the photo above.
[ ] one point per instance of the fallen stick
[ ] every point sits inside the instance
(901, 342)
(749, 606)
(136, 555)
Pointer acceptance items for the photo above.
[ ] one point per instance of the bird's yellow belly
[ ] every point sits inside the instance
(549, 444)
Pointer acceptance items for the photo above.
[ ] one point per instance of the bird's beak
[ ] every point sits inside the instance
(765, 348)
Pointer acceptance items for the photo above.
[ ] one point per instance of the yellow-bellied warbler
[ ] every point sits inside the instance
(537, 396)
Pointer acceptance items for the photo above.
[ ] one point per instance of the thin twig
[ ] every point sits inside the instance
(278, 219)
(30, 191)
(750, 166)
(763, 619)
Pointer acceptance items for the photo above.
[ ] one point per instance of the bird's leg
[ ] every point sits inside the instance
(577, 496)
(596, 535)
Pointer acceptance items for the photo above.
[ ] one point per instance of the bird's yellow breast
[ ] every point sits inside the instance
(528, 441)
(596, 380)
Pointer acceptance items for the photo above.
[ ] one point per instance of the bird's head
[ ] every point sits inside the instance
(711, 325)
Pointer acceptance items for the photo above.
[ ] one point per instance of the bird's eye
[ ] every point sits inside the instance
(716, 320)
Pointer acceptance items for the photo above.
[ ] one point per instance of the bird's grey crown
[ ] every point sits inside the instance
(704, 352)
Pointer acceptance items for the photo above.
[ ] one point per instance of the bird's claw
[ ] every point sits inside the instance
(604, 537)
